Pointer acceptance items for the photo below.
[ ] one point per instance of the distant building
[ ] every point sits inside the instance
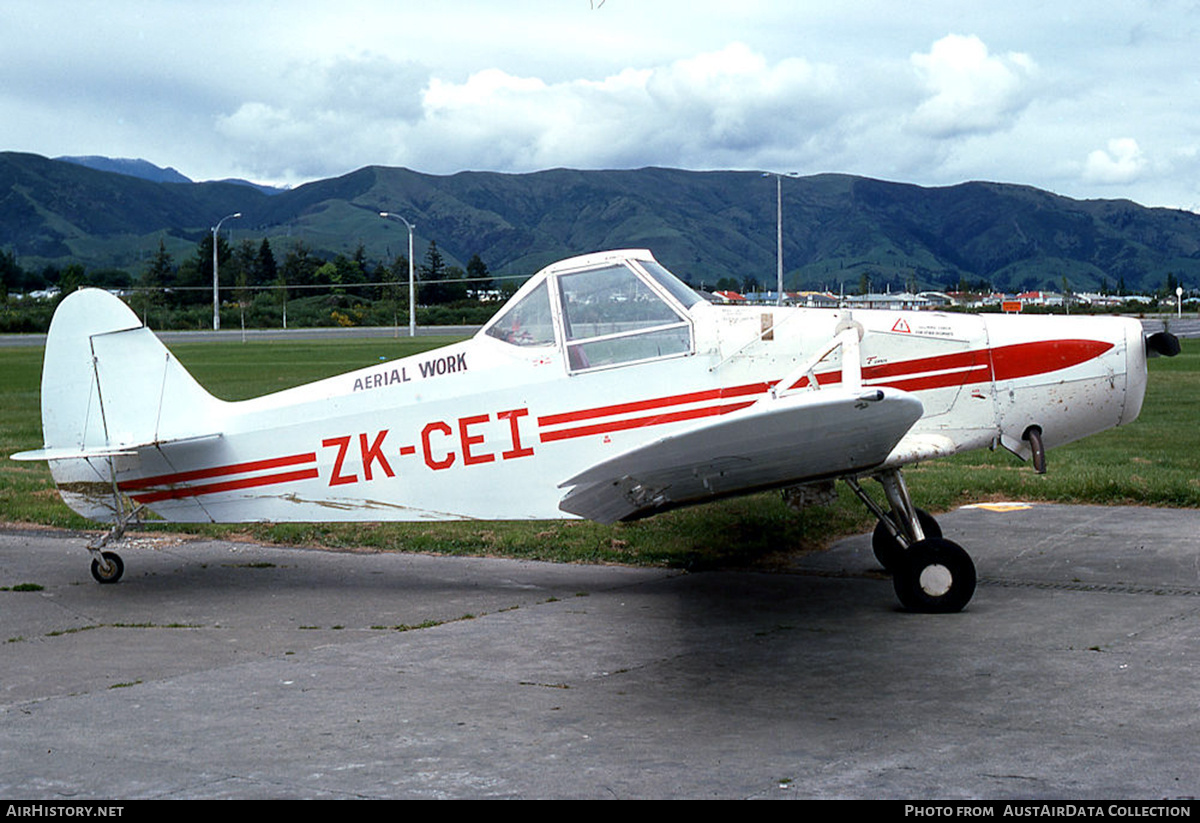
(813, 299)
(1040, 298)
(762, 297)
(807, 299)
(1102, 300)
(728, 297)
(900, 301)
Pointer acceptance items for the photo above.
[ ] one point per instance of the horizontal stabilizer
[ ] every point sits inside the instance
(125, 449)
(775, 442)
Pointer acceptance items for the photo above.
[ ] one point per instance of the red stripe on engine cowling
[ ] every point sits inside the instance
(1027, 359)
(1006, 363)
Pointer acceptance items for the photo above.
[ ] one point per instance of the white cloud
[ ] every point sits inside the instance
(1120, 163)
(735, 99)
(727, 107)
(970, 90)
(862, 87)
(481, 89)
(731, 103)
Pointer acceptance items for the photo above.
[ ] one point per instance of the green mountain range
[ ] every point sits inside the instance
(838, 230)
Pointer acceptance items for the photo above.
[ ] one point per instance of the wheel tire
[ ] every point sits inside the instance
(116, 568)
(936, 577)
(888, 550)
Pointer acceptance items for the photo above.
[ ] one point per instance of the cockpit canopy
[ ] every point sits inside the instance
(604, 310)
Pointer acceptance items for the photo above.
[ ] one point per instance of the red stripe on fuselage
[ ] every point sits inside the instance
(218, 471)
(225, 486)
(134, 487)
(656, 403)
(641, 422)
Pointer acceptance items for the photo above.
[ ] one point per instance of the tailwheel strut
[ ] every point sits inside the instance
(107, 566)
(929, 573)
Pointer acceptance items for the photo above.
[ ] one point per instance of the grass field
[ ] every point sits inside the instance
(1155, 461)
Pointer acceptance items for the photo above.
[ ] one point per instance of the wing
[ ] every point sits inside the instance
(776, 442)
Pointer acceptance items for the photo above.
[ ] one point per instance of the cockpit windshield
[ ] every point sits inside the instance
(611, 300)
(528, 322)
(606, 315)
(681, 291)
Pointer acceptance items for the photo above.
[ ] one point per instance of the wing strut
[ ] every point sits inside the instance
(847, 337)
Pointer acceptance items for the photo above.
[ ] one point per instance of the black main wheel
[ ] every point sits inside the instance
(110, 570)
(888, 550)
(935, 576)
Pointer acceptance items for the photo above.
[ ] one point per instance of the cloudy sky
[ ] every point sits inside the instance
(1087, 99)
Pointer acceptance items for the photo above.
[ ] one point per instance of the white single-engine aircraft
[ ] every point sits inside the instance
(605, 388)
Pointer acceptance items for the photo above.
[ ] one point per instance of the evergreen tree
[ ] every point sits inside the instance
(195, 275)
(351, 270)
(244, 264)
(478, 274)
(155, 280)
(432, 272)
(72, 277)
(267, 270)
(299, 266)
(161, 273)
(360, 259)
(434, 267)
(11, 276)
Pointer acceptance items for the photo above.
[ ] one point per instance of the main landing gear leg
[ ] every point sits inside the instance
(930, 574)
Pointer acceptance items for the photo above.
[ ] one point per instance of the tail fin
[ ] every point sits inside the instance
(109, 388)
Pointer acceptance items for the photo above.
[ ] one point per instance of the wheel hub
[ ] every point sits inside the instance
(936, 580)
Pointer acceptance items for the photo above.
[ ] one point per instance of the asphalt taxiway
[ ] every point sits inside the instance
(232, 670)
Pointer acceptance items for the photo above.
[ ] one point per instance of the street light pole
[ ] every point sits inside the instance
(216, 283)
(778, 233)
(412, 298)
(779, 238)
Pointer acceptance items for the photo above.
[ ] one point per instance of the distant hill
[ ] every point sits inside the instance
(146, 170)
(262, 187)
(838, 229)
(58, 212)
(133, 168)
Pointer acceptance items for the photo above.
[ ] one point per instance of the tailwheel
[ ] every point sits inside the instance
(934, 576)
(888, 550)
(108, 567)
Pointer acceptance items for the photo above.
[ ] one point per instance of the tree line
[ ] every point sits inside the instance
(303, 288)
